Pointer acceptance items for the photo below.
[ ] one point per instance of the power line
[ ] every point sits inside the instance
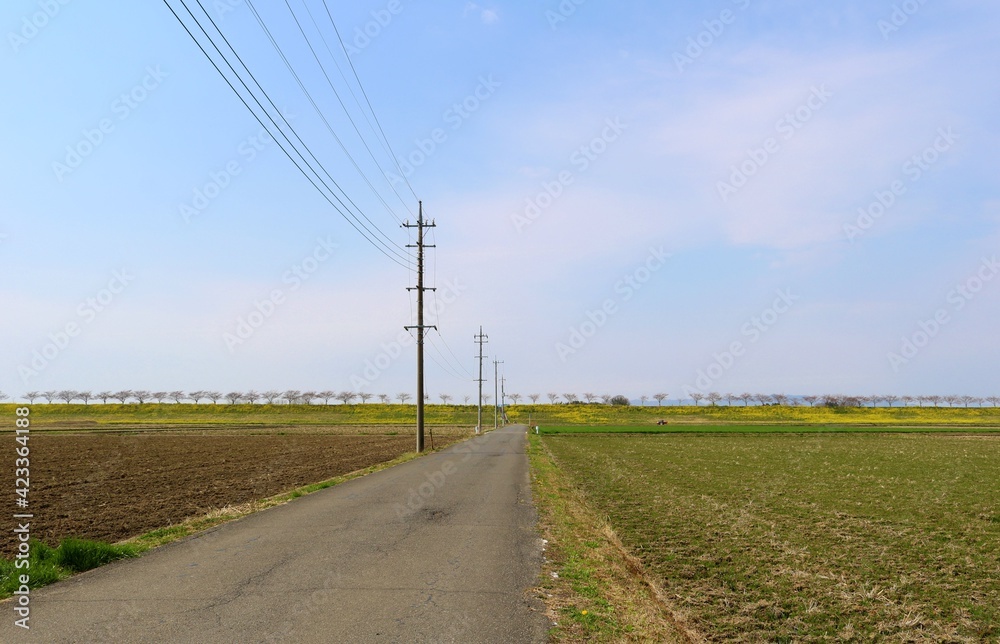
(384, 144)
(319, 112)
(356, 224)
(339, 99)
(363, 92)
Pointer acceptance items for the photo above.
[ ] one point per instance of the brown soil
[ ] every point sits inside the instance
(112, 487)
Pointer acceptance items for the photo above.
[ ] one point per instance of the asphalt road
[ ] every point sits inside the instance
(440, 549)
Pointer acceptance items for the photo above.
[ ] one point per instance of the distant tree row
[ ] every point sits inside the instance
(839, 400)
(296, 397)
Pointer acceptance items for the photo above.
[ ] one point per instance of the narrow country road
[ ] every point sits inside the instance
(439, 549)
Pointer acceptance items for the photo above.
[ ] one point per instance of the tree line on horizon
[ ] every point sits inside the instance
(297, 397)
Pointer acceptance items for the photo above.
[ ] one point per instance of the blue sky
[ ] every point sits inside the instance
(630, 198)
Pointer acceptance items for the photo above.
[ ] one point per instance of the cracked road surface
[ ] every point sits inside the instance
(439, 549)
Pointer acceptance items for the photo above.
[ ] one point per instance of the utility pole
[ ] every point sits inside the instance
(496, 391)
(503, 399)
(482, 339)
(420, 327)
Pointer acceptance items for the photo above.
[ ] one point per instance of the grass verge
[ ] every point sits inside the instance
(594, 590)
(47, 565)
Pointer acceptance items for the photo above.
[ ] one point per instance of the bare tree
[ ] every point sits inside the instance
(714, 397)
(534, 398)
(308, 397)
(196, 395)
(3, 396)
(403, 397)
(891, 399)
(642, 399)
(746, 398)
(466, 399)
(781, 399)
(384, 398)
(994, 400)
(728, 397)
(31, 396)
(487, 398)
(233, 397)
(292, 396)
(570, 398)
(659, 398)
(122, 396)
(697, 398)
(66, 395)
(85, 396)
(251, 396)
(762, 399)
(364, 397)
(346, 397)
(270, 396)
(49, 396)
(326, 396)
(158, 396)
(176, 396)
(811, 400)
(214, 396)
(103, 396)
(514, 397)
(444, 398)
(553, 398)
(141, 395)
(965, 400)
(606, 398)
(589, 397)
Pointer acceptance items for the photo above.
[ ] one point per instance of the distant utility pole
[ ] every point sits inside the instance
(420, 327)
(482, 339)
(496, 391)
(503, 399)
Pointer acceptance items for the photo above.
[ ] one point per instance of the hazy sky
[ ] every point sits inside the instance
(630, 197)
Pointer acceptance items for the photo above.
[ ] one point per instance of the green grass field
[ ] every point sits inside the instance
(779, 537)
(759, 429)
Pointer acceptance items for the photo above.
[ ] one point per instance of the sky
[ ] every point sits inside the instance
(629, 198)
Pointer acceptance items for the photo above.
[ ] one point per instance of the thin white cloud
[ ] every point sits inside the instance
(487, 16)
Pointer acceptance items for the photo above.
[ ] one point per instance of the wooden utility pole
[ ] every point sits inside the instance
(420, 327)
(496, 392)
(481, 339)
